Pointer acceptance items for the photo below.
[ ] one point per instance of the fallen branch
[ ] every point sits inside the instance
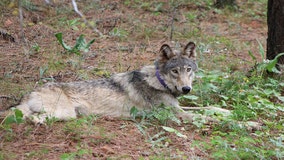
(85, 20)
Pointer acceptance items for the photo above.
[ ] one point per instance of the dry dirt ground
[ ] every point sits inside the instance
(133, 32)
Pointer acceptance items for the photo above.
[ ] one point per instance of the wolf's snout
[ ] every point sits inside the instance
(186, 89)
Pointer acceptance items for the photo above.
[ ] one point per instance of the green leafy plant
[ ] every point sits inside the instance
(35, 49)
(157, 139)
(265, 64)
(191, 16)
(16, 117)
(162, 114)
(237, 91)
(73, 24)
(172, 130)
(80, 45)
(42, 71)
(250, 98)
(134, 112)
(117, 32)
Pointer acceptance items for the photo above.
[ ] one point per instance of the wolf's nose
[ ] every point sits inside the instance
(186, 89)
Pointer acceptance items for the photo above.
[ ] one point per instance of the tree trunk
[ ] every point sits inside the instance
(275, 21)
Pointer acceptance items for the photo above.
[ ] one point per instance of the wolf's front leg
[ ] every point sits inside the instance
(190, 117)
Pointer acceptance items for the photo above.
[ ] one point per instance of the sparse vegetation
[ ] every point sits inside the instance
(232, 75)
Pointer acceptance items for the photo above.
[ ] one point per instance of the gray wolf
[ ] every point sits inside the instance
(171, 76)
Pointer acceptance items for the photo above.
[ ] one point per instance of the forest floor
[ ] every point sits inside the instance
(133, 32)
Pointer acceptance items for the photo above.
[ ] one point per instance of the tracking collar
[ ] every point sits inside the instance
(160, 79)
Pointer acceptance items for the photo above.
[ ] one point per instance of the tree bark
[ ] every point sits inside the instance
(275, 22)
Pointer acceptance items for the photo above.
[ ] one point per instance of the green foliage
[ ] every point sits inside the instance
(35, 49)
(73, 24)
(30, 6)
(157, 139)
(134, 112)
(265, 65)
(74, 155)
(16, 117)
(72, 126)
(248, 96)
(163, 115)
(80, 45)
(191, 16)
(42, 71)
(172, 130)
(254, 97)
(233, 146)
(117, 32)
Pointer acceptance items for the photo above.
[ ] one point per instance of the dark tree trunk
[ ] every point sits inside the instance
(275, 21)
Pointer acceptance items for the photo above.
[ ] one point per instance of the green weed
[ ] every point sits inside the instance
(118, 32)
(80, 45)
(261, 68)
(191, 16)
(74, 155)
(4, 154)
(83, 122)
(42, 71)
(15, 117)
(35, 49)
(162, 114)
(255, 97)
(235, 146)
(172, 130)
(73, 24)
(37, 153)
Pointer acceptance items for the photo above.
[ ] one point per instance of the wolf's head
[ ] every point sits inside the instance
(177, 67)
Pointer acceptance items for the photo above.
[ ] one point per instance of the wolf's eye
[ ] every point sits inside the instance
(175, 71)
(188, 69)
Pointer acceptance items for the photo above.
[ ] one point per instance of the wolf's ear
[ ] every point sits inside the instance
(166, 52)
(189, 50)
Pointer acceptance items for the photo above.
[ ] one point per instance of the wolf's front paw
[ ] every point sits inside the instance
(253, 126)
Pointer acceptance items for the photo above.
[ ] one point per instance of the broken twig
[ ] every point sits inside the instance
(85, 20)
